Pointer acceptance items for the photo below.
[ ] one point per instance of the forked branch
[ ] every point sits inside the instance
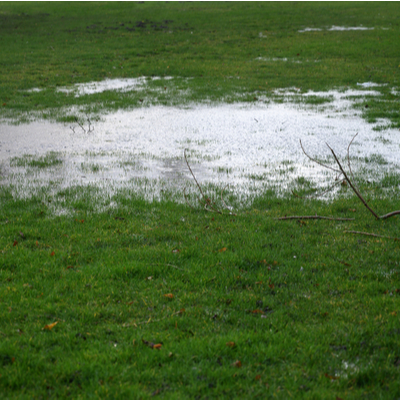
(348, 180)
(351, 184)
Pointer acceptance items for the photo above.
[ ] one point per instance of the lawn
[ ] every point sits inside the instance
(114, 296)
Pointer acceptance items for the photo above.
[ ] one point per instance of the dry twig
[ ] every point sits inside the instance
(348, 180)
(372, 234)
(90, 128)
(316, 161)
(348, 156)
(351, 184)
(206, 200)
(315, 217)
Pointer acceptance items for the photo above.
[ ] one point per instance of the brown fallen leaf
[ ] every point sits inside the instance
(237, 364)
(152, 345)
(222, 250)
(49, 327)
(258, 377)
(231, 344)
(257, 311)
(15, 243)
(331, 377)
(52, 254)
(169, 295)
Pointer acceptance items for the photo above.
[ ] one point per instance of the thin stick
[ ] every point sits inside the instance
(174, 266)
(316, 161)
(352, 186)
(190, 169)
(88, 120)
(128, 324)
(348, 156)
(77, 121)
(389, 214)
(315, 217)
(206, 200)
(169, 265)
(372, 234)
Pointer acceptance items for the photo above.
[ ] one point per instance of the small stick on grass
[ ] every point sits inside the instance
(347, 179)
(372, 234)
(352, 186)
(170, 265)
(315, 217)
(391, 214)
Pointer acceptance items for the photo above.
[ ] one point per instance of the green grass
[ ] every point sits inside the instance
(212, 51)
(260, 307)
(302, 301)
(51, 159)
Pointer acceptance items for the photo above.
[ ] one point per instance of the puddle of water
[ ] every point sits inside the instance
(337, 28)
(283, 59)
(122, 85)
(370, 84)
(251, 147)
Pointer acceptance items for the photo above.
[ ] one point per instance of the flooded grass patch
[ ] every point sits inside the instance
(237, 144)
(49, 160)
(119, 278)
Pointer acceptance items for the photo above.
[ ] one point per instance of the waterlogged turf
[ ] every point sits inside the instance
(112, 292)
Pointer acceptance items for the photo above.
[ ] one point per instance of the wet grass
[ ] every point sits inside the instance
(51, 159)
(159, 299)
(106, 294)
(213, 52)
